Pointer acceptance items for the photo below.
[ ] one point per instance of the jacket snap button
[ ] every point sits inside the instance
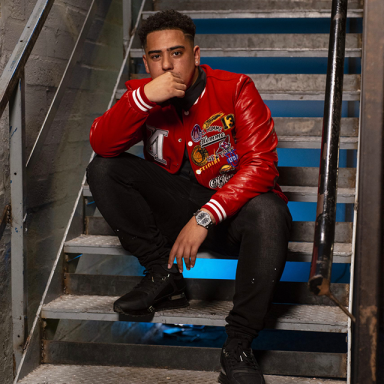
(190, 143)
(179, 140)
(186, 113)
(198, 171)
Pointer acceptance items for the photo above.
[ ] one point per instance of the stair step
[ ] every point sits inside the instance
(313, 318)
(249, 5)
(199, 358)
(301, 230)
(314, 142)
(74, 374)
(110, 245)
(292, 87)
(261, 14)
(267, 45)
(199, 289)
(295, 193)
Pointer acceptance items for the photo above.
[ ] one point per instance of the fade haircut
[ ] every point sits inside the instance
(164, 20)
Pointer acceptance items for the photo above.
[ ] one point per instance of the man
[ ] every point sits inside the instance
(208, 179)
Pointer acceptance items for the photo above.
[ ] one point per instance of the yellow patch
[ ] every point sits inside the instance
(212, 119)
(199, 156)
(228, 122)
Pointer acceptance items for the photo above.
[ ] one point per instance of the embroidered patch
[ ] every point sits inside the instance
(219, 181)
(208, 165)
(226, 169)
(205, 141)
(228, 122)
(224, 147)
(199, 156)
(212, 119)
(196, 133)
(232, 158)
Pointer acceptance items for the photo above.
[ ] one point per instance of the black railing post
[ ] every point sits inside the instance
(320, 275)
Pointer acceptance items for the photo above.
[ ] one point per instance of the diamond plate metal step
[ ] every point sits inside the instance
(249, 5)
(75, 374)
(314, 318)
(289, 87)
(267, 45)
(110, 245)
(294, 193)
(263, 14)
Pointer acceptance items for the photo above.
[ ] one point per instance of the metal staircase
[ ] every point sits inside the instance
(80, 333)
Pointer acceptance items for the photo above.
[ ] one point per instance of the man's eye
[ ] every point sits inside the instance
(154, 57)
(176, 53)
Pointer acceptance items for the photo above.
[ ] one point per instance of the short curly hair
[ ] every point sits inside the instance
(164, 20)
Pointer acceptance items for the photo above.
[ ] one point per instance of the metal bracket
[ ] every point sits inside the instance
(5, 219)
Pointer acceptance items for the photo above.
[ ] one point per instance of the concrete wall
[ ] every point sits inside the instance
(54, 182)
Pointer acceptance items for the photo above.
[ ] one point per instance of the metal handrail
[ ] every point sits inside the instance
(79, 195)
(15, 66)
(322, 257)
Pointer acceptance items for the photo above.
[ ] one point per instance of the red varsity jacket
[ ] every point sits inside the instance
(228, 132)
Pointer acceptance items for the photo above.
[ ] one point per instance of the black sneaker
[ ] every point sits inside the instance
(159, 289)
(238, 364)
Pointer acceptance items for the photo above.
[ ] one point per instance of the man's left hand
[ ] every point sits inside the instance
(187, 244)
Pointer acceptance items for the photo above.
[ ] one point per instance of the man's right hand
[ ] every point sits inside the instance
(164, 87)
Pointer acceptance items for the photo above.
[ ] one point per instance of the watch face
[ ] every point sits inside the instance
(203, 219)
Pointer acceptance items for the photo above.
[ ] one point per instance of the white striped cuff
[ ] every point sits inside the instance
(138, 99)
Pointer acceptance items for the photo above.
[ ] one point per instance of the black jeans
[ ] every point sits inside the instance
(147, 207)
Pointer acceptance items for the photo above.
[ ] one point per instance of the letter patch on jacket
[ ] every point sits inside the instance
(155, 143)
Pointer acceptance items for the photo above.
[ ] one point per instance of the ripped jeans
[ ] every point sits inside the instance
(147, 207)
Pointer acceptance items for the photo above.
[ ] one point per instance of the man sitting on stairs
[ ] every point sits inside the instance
(208, 181)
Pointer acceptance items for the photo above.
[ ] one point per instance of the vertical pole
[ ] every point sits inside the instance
(17, 165)
(368, 305)
(320, 275)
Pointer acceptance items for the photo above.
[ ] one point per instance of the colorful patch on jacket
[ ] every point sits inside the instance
(208, 165)
(232, 158)
(224, 147)
(212, 119)
(199, 156)
(196, 133)
(226, 169)
(219, 181)
(209, 140)
(228, 122)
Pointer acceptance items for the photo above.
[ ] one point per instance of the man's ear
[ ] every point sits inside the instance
(196, 54)
(146, 63)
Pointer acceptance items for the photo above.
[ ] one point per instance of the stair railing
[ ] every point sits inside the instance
(37, 147)
(12, 92)
(322, 257)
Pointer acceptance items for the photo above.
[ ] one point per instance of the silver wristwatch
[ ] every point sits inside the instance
(203, 219)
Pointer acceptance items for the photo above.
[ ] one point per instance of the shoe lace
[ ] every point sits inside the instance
(240, 356)
(151, 280)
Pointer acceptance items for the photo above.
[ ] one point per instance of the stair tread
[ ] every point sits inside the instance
(73, 374)
(297, 193)
(267, 45)
(319, 318)
(261, 13)
(91, 244)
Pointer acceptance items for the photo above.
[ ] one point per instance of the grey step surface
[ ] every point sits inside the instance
(312, 318)
(261, 13)
(110, 245)
(320, 364)
(297, 193)
(301, 230)
(261, 5)
(293, 87)
(198, 289)
(75, 374)
(267, 45)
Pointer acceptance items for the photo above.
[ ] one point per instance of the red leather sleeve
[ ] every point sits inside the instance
(119, 128)
(256, 143)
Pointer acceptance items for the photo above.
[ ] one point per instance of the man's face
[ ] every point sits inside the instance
(171, 51)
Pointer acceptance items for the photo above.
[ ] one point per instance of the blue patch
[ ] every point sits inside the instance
(196, 133)
(232, 158)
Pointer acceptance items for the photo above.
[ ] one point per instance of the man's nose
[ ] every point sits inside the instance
(167, 63)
